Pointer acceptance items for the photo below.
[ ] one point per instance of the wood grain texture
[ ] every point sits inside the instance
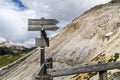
(39, 27)
(42, 42)
(42, 21)
(83, 69)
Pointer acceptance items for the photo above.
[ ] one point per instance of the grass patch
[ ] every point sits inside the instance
(7, 59)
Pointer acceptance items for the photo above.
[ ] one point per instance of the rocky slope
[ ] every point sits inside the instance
(92, 37)
(87, 34)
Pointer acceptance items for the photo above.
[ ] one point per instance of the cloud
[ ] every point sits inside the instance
(14, 19)
(63, 10)
(13, 22)
(29, 43)
(2, 39)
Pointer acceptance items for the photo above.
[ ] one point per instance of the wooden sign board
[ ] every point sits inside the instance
(40, 28)
(42, 24)
(42, 21)
(42, 42)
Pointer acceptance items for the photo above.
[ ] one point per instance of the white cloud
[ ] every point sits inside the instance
(61, 9)
(13, 20)
(2, 39)
(29, 43)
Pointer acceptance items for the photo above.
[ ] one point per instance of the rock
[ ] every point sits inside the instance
(115, 1)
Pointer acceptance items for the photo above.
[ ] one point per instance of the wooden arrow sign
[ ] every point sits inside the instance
(39, 27)
(42, 24)
(42, 42)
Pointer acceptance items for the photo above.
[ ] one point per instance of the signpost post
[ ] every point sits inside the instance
(42, 25)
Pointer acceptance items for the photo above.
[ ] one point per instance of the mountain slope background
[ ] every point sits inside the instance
(10, 52)
(88, 39)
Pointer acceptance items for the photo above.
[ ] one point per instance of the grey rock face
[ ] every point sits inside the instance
(115, 1)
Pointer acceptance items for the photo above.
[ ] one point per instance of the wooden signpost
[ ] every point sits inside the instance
(45, 27)
(42, 25)
(42, 21)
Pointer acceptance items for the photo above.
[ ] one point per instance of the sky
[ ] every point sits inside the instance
(14, 15)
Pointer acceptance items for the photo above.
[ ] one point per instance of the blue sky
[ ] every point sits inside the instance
(19, 3)
(14, 15)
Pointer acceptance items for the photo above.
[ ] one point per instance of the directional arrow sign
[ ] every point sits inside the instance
(42, 25)
(39, 27)
(42, 22)
(42, 42)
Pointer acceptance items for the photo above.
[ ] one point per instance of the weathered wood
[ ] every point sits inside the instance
(83, 69)
(43, 34)
(42, 41)
(42, 21)
(41, 71)
(49, 63)
(103, 75)
(43, 77)
(40, 74)
(39, 27)
(42, 55)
